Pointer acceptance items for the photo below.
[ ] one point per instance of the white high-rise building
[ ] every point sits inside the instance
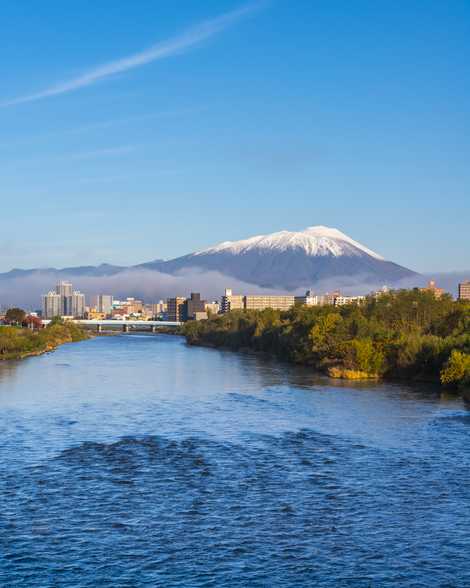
(78, 304)
(51, 305)
(64, 289)
(63, 302)
(104, 303)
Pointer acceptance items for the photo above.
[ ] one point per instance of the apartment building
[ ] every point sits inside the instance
(104, 303)
(261, 302)
(51, 305)
(431, 287)
(343, 300)
(464, 291)
(231, 301)
(64, 301)
(176, 308)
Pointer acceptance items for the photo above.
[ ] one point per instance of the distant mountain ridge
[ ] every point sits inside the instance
(283, 260)
(104, 269)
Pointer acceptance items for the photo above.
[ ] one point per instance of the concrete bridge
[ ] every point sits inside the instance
(125, 326)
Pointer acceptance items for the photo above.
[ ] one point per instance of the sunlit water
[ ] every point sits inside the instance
(138, 461)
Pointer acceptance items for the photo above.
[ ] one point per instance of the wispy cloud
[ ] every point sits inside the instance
(173, 46)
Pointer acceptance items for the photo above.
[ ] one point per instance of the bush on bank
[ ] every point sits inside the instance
(18, 342)
(403, 334)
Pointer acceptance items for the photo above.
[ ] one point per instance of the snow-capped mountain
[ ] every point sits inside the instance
(317, 240)
(290, 260)
(318, 257)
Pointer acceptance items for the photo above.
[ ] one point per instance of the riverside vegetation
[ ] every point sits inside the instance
(17, 342)
(407, 334)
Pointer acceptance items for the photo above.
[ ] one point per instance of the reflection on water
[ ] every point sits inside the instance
(7, 370)
(136, 461)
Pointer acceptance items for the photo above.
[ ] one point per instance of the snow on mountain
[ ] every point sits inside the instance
(317, 240)
(290, 260)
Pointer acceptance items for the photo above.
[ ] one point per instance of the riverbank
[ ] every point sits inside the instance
(21, 342)
(405, 335)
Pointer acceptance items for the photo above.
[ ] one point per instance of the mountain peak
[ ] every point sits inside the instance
(315, 241)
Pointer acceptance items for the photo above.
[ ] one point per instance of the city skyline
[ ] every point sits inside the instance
(222, 120)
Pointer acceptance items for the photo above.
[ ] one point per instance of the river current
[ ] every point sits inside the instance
(136, 460)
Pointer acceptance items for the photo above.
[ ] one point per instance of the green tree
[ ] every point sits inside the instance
(365, 357)
(456, 370)
(15, 316)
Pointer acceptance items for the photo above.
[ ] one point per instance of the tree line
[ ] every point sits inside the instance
(18, 341)
(408, 334)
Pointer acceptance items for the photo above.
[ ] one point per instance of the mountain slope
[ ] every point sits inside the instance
(290, 260)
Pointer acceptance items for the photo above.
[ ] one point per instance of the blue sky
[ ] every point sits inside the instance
(140, 130)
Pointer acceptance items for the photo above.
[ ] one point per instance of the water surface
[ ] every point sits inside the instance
(138, 461)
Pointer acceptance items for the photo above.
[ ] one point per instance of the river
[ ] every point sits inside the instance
(136, 460)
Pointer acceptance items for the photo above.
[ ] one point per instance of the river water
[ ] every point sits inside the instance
(135, 460)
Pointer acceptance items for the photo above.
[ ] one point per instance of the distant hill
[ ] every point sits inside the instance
(105, 269)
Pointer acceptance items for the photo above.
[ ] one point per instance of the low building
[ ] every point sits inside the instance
(310, 299)
(262, 302)
(95, 315)
(230, 301)
(212, 308)
(378, 293)
(464, 290)
(344, 300)
(333, 299)
(431, 287)
(133, 306)
(200, 316)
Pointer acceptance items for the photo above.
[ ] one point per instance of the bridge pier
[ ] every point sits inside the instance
(98, 328)
(125, 328)
(154, 329)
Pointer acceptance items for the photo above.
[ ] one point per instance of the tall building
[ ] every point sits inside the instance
(159, 309)
(230, 301)
(64, 290)
(104, 303)
(78, 305)
(63, 302)
(51, 305)
(464, 291)
(176, 308)
(194, 305)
